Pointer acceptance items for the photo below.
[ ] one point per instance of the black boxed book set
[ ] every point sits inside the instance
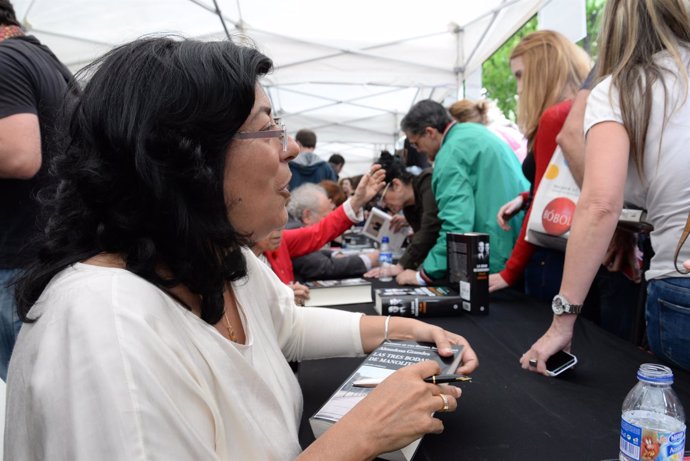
(468, 267)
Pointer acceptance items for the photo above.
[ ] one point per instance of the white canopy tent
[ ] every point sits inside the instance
(348, 70)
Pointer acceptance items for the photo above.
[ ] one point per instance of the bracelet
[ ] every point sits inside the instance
(385, 328)
(420, 279)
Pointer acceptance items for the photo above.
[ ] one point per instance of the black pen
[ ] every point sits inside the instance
(436, 379)
(444, 379)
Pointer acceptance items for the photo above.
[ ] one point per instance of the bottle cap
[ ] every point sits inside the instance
(385, 239)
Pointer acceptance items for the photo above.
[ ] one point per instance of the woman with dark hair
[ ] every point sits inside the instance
(413, 196)
(151, 330)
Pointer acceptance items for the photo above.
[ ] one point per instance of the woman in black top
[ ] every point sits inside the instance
(413, 196)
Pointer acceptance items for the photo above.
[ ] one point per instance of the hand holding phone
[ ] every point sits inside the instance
(559, 362)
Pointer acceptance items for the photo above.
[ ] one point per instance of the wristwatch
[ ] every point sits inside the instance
(561, 306)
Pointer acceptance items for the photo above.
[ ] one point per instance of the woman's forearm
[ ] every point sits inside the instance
(373, 330)
(598, 209)
(593, 227)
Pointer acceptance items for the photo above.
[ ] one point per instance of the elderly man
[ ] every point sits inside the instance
(308, 205)
(475, 173)
(321, 225)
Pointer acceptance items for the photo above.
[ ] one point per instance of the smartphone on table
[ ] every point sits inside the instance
(559, 362)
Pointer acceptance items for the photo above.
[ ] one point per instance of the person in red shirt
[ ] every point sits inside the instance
(281, 246)
(549, 70)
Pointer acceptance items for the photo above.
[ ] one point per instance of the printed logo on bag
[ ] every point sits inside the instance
(558, 215)
(551, 172)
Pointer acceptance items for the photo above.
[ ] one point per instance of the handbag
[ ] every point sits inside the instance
(553, 205)
(681, 242)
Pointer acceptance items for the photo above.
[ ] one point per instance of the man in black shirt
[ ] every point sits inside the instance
(33, 84)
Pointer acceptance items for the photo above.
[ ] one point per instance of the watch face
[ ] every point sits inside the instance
(557, 305)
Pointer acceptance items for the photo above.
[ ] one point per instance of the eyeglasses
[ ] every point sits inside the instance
(380, 203)
(277, 132)
(414, 143)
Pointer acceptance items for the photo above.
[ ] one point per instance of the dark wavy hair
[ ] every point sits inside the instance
(142, 174)
(394, 168)
(7, 14)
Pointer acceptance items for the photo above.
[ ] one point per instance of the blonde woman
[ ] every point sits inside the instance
(637, 128)
(468, 111)
(549, 70)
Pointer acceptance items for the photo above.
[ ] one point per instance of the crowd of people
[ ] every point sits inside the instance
(153, 255)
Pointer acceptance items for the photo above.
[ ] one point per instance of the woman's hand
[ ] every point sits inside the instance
(400, 409)
(372, 330)
(301, 293)
(425, 332)
(496, 282)
(509, 210)
(686, 264)
(394, 269)
(408, 328)
(558, 337)
(368, 187)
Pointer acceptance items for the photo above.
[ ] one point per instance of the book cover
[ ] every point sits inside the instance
(378, 225)
(468, 266)
(384, 360)
(338, 292)
(417, 301)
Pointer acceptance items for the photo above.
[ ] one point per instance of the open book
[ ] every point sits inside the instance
(378, 225)
(383, 361)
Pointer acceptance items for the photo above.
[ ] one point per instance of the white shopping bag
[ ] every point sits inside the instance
(553, 206)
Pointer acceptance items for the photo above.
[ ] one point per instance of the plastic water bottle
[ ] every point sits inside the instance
(385, 260)
(653, 422)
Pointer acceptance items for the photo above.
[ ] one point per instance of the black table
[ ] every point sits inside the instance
(507, 413)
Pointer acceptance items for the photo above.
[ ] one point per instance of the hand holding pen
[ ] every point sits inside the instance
(435, 379)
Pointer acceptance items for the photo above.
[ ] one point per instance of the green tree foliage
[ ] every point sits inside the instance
(497, 79)
(498, 82)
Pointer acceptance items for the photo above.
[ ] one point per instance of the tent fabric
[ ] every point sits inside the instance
(347, 70)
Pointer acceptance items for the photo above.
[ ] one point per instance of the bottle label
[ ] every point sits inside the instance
(645, 444)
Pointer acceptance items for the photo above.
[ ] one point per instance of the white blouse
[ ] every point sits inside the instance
(115, 369)
(665, 190)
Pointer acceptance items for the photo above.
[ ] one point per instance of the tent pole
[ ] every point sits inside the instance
(222, 20)
(459, 68)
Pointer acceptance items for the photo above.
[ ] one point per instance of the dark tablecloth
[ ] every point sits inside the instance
(507, 413)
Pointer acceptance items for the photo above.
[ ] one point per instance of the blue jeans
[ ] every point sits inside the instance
(668, 320)
(9, 321)
(543, 273)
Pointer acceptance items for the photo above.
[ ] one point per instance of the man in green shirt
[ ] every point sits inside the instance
(475, 173)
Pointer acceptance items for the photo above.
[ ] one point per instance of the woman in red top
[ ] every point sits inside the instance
(549, 70)
(282, 245)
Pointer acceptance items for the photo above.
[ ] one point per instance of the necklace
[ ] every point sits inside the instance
(228, 326)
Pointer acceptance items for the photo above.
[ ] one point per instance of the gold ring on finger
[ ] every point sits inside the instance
(445, 402)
